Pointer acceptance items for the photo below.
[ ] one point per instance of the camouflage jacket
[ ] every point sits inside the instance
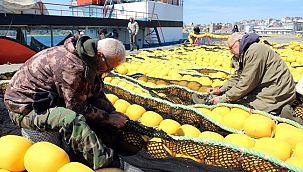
(60, 71)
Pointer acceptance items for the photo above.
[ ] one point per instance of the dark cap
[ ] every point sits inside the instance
(102, 30)
(87, 50)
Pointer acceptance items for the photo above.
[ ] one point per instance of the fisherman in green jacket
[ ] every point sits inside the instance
(262, 80)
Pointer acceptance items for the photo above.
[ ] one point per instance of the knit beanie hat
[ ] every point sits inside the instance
(102, 30)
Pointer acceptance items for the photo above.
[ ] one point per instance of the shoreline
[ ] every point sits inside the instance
(280, 39)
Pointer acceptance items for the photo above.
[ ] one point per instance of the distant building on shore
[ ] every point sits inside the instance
(212, 28)
(224, 31)
(274, 30)
(285, 26)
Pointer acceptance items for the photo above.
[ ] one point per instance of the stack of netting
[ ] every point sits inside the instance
(298, 106)
(174, 93)
(208, 71)
(178, 94)
(170, 111)
(211, 152)
(3, 85)
(4, 80)
(178, 91)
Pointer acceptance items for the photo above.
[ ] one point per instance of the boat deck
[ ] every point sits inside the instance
(9, 68)
(45, 21)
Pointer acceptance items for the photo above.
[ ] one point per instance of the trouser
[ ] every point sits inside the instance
(246, 103)
(133, 40)
(194, 39)
(73, 128)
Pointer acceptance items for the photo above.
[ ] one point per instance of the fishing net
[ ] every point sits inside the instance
(178, 92)
(4, 80)
(210, 152)
(169, 111)
(3, 85)
(202, 151)
(36, 136)
(298, 106)
(208, 71)
(299, 111)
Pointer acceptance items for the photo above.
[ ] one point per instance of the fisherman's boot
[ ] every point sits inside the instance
(289, 113)
(198, 100)
(131, 47)
(137, 45)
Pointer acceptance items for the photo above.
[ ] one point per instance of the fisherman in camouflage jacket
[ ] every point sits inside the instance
(60, 89)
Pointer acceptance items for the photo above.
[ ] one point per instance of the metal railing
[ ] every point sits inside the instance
(95, 11)
(172, 2)
(92, 11)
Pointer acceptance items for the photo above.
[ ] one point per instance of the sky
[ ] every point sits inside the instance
(228, 11)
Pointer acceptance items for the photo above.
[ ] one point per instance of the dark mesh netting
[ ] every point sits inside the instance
(4, 80)
(154, 150)
(6, 76)
(207, 71)
(178, 147)
(178, 92)
(298, 106)
(181, 115)
(299, 111)
(171, 150)
(6, 125)
(148, 163)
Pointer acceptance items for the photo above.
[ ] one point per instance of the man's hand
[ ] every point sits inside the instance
(117, 119)
(215, 100)
(215, 91)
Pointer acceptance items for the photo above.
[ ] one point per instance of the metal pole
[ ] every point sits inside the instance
(86, 30)
(52, 36)
(25, 36)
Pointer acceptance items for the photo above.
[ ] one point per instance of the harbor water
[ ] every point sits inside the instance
(46, 39)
